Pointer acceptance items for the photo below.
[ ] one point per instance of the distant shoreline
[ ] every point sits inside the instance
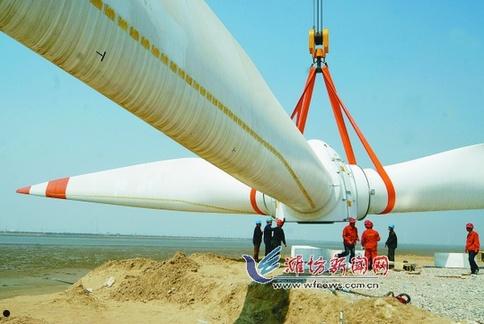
(420, 249)
(119, 235)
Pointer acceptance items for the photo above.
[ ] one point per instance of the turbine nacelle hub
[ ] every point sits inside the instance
(349, 186)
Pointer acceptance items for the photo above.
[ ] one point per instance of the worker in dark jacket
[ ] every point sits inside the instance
(472, 247)
(257, 240)
(391, 243)
(268, 235)
(278, 236)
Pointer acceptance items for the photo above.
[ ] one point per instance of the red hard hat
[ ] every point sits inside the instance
(352, 220)
(280, 222)
(469, 225)
(368, 224)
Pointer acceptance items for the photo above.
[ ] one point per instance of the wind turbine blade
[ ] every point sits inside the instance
(174, 65)
(183, 184)
(451, 180)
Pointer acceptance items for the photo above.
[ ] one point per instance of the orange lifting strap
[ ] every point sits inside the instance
(302, 107)
(301, 112)
(253, 202)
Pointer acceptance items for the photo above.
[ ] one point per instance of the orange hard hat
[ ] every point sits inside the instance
(470, 225)
(368, 223)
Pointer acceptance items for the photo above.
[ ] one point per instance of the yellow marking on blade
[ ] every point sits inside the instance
(173, 66)
(133, 33)
(97, 3)
(145, 43)
(109, 12)
(181, 73)
(155, 51)
(123, 24)
(188, 79)
(164, 58)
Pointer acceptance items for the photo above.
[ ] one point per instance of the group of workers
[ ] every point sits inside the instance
(273, 236)
(369, 241)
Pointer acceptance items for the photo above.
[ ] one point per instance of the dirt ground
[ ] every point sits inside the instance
(201, 288)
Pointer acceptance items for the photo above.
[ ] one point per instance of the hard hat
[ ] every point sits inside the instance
(391, 226)
(352, 220)
(258, 222)
(470, 225)
(280, 222)
(368, 224)
(269, 220)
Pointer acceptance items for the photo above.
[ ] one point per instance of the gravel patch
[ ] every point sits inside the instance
(442, 291)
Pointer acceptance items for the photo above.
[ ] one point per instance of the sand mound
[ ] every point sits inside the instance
(171, 280)
(136, 264)
(211, 288)
(209, 279)
(389, 310)
(79, 295)
(212, 258)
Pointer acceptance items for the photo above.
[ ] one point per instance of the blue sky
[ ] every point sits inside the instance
(411, 72)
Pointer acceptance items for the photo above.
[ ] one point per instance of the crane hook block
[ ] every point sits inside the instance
(320, 39)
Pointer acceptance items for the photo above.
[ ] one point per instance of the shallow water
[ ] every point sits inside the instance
(31, 253)
(41, 263)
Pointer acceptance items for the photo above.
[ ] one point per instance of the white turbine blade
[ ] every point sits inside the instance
(183, 184)
(451, 180)
(174, 65)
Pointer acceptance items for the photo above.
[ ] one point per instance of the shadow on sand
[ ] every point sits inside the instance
(264, 304)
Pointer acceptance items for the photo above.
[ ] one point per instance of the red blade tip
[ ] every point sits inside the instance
(24, 190)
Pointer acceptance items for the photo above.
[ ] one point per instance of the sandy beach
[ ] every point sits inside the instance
(207, 288)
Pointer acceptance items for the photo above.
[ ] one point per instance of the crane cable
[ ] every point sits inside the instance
(314, 14)
(321, 16)
(318, 15)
